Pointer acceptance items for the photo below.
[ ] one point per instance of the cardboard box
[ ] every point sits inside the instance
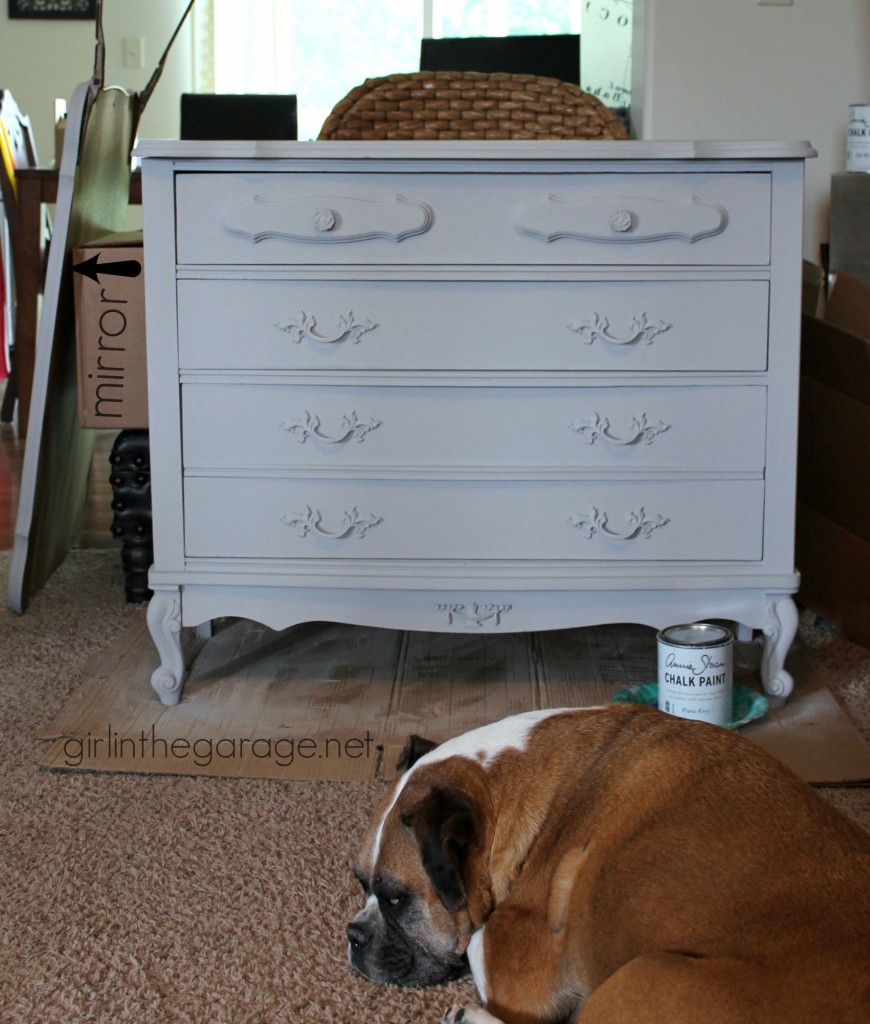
(849, 249)
(109, 289)
(833, 515)
(835, 573)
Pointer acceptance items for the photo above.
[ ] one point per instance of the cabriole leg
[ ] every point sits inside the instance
(164, 624)
(778, 636)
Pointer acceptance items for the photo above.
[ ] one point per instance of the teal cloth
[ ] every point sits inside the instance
(747, 706)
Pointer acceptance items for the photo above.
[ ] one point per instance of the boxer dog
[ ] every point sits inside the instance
(616, 865)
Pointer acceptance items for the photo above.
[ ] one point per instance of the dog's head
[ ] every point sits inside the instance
(422, 870)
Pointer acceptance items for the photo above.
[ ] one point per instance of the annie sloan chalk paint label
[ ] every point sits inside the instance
(858, 138)
(695, 672)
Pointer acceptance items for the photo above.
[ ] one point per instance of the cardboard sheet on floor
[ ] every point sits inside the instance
(325, 701)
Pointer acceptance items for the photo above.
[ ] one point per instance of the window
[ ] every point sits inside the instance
(504, 17)
(320, 49)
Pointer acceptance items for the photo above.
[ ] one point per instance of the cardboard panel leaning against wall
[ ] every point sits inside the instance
(833, 527)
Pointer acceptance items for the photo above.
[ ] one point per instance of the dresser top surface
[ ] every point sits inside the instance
(557, 150)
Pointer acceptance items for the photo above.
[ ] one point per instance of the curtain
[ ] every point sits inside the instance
(203, 46)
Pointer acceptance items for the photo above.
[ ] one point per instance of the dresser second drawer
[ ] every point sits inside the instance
(467, 325)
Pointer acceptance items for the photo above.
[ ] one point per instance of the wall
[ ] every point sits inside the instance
(731, 69)
(711, 69)
(43, 59)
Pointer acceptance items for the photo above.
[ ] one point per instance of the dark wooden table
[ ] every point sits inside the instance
(36, 186)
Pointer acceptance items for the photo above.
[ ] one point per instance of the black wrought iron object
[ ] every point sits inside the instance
(131, 502)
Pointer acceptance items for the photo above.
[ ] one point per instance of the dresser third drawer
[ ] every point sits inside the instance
(243, 517)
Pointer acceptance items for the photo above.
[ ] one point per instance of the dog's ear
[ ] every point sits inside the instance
(445, 829)
(415, 748)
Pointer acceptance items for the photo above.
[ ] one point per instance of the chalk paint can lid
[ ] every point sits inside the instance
(695, 634)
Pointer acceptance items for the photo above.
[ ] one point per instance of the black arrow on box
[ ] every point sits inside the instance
(92, 268)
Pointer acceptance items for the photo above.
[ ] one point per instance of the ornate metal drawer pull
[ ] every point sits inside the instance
(640, 429)
(351, 427)
(349, 329)
(354, 523)
(642, 330)
(638, 525)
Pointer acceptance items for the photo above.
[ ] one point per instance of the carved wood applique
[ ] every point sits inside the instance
(474, 614)
(330, 219)
(621, 219)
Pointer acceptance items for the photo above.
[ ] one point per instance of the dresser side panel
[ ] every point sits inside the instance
(164, 401)
(784, 368)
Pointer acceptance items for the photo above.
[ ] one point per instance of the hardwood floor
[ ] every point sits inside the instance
(11, 458)
(96, 532)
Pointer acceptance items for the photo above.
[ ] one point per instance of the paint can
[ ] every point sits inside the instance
(858, 138)
(695, 672)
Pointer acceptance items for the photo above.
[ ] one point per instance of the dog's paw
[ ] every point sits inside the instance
(468, 1015)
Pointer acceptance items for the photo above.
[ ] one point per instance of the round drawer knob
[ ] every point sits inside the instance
(324, 220)
(622, 220)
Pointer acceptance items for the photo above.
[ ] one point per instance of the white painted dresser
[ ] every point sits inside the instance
(473, 386)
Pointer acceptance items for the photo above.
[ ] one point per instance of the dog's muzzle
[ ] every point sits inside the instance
(386, 955)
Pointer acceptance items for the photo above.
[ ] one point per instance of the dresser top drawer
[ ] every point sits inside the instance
(622, 219)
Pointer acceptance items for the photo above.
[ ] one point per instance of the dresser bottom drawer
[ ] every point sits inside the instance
(697, 520)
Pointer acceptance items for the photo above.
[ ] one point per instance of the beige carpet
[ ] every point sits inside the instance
(159, 899)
